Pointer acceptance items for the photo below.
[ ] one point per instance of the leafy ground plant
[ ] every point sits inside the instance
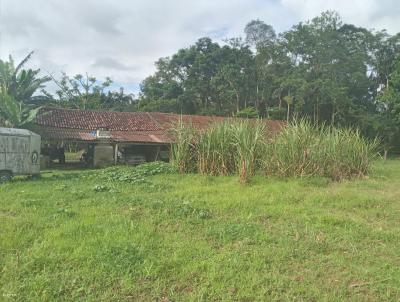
(135, 175)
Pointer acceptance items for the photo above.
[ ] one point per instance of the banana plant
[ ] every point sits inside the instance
(18, 87)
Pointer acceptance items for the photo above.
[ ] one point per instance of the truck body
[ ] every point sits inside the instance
(19, 153)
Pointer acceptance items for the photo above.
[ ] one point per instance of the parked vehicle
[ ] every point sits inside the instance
(19, 153)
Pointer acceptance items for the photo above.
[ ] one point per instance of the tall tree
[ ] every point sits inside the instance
(388, 125)
(326, 54)
(81, 91)
(259, 34)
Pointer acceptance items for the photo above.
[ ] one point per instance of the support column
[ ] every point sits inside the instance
(158, 153)
(116, 154)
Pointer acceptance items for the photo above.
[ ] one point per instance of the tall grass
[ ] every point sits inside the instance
(249, 139)
(224, 148)
(303, 149)
(348, 153)
(299, 149)
(287, 153)
(182, 149)
(215, 150)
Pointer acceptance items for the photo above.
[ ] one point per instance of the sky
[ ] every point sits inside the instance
(123, 38)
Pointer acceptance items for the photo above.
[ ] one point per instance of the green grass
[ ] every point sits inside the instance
(70, 236)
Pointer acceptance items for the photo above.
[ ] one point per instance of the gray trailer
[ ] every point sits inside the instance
(19, 153)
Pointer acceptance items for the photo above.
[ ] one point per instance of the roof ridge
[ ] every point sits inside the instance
(89, 110)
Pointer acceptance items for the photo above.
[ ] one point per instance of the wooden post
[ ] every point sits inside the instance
(116, 154)
(157, 154)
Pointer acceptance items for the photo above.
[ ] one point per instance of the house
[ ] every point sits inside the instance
(111, 137)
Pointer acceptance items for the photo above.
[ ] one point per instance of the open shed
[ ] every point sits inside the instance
(112, 137)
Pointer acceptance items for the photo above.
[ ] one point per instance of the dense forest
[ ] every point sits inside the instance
(323, 69)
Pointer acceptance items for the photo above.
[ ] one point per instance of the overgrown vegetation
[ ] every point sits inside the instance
(303, 149)
(222, 149)
(182, 149)
(299, 149)
(200, 238)
(134, 175)
(214, 150)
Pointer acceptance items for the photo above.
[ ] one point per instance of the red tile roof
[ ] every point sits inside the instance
(93, 120)
(64, 133)
(143, 127)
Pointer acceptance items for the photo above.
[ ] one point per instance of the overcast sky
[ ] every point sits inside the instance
(123, 38)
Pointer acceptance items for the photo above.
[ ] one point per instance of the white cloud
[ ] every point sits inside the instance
(371, 14)
(122, 39)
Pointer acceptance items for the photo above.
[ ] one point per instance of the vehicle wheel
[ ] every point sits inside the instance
(5, 176)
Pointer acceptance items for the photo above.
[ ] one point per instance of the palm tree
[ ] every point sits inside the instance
(17, 92)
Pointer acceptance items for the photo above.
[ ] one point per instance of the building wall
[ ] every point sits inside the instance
(103, 155)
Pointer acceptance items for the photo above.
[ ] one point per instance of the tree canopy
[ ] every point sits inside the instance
(323, 69)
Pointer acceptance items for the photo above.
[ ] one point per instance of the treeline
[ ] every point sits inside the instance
(323, 69)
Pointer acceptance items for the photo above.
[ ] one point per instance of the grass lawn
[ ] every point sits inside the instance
(73, 237)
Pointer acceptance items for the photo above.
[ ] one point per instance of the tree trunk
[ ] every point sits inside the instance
(288, 112)
(257, 101)
(314, 114)
(237, 102)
